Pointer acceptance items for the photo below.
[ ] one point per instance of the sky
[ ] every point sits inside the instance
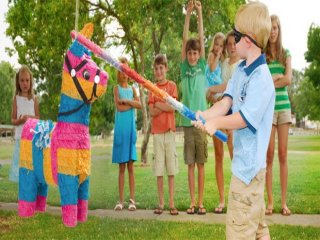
(295, 17)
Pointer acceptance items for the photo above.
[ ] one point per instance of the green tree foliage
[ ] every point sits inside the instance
(7, 84)
(40, 31)
(307, 101)
(147, 27)
(40, 34)
(313, 55)
(293, 89)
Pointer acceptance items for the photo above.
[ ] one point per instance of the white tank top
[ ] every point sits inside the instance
(228, 69)
(25, 106)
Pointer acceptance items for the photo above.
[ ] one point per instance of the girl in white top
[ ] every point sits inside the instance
(227, 68)
(25, 105)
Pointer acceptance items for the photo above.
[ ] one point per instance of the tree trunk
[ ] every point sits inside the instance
(146, 128)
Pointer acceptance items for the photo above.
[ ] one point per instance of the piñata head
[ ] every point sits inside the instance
(82, 79)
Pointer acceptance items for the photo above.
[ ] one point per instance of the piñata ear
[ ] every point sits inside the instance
(87, 30)
(78, 49)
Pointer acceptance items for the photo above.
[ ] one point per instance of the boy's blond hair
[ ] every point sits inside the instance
(254, 19)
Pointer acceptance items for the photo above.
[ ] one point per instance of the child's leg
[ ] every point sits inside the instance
(160, 191)
(189, 154)
(219, 154)
(201, 156)
(131, 179)
(122, 168)
(270, 156)
(191, 183)
(171, 164)
(245, 216)
(173, 210)
(200, 183)
(171, 191)
(83, 196)
(283, 132)
(230, 143)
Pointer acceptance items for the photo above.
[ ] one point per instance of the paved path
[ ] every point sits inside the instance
(209, 218)
(5, 161)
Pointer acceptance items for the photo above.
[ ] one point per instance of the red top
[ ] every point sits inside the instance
(165, 121)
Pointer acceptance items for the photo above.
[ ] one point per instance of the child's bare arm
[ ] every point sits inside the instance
(154, 111)
(212, 61)
(217, 88)
(36, 108)
(284, 80)
(118, 102)
(200, 27)
(135, 103)
(190, 7)
(218, 109)
(14, 118)
(165, 107)
(231, 122)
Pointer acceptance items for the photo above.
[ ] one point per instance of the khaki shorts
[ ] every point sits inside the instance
(282, 117)
(246, 209)
(165, 157)
(195, 146)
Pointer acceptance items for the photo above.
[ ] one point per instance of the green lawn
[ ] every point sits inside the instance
(45, 226)
(303, 197)
(303, 193)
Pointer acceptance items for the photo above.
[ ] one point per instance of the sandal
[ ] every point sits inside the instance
(118, 207)
(132, 205)
(219, 209)
(174, 211)
(285, 211)
(158, 210)
(201, 210)
(191, 210)
(269, 211)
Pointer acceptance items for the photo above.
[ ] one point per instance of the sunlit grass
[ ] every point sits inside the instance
(45, 226)
(303, 193)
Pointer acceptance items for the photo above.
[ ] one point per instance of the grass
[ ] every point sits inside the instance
(6, 150)
(304, 165)
(303, 197)
(45, 226)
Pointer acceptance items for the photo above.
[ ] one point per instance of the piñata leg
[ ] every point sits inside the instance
(83, 196)
(42, 194)
(27, 193)
(68, 187)
(27, 177)
(42, 186)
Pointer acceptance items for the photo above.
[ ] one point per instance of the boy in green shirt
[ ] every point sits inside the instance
(194, 86)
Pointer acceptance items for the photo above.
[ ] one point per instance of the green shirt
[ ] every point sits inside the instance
(193, 86)
(282, 98)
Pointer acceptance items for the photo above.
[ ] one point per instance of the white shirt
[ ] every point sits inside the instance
(228, 69)
(25, 106)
